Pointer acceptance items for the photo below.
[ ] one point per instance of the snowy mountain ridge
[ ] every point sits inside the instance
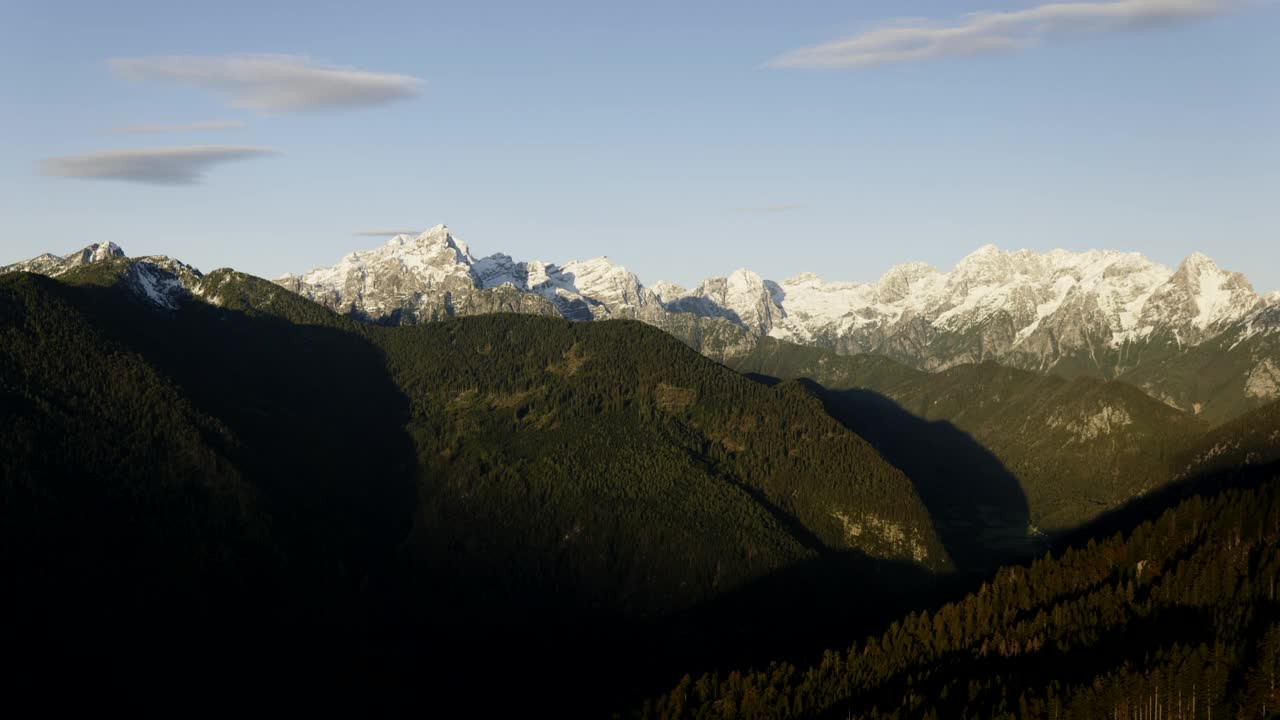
(411, 272)
(1031, 309)
(1022, 301)
(55, 265)
(1102, 313)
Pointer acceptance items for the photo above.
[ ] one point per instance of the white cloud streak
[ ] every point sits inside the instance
(154, 166)
(913, 40)
(273, 83)
(385, 233)
(198, 126)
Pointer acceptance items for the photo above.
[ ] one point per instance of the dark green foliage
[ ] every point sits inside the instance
(1075, 447)
(1177, 619)
(1221, 378)
(977, 504)
(483, 508)
(1251, 439)
(289, 487)
(516, 406)
(108, 474)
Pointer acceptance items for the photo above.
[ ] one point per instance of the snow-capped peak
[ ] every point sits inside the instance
(103, 251)
(605, 281)
(1198, 260)
(1200, 296)
(987, 250)
(375, 279)
(97, 252)
(667, 291)
(55, 265)
(743, 296)
(901, 281)
(435, 240)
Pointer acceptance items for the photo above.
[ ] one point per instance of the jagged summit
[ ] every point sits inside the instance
(100, 251)
(1199, 298)
(1041, 311)
(436, 236)
(1198, 259)
(55, 265)
(434, 274)
(984, 251)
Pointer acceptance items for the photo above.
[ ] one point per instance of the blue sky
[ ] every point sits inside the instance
(682, 142)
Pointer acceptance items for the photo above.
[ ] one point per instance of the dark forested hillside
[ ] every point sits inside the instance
(159, 497)
(217, 473)
(1012, 457)
(1177, 619)
(1221, 378)
(252, 465)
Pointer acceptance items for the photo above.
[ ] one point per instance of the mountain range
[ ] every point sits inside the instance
(218, 472)
(1106, 314)
(1201, 347)
(1066, 445)
(247, 464)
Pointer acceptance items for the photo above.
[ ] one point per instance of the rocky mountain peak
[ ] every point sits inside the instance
(55, 265)
(988, 265)
(1200, 296)
(747, 296)
(667, 291)
(437, 242)
(1197, 261)
(100, 251)
(984, 251)
(605, 281)
(96, 252)
(896, 284)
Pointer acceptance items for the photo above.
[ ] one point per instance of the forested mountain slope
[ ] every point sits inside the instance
(1035, 454)
(1224, 377)
(245, 461)
(1039, 451)
(1177, 618)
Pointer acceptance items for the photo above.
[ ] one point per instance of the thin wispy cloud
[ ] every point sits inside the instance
(198, 126)
(154, 166)
(913, 40)
(273, 83)
(770, 209)
(385, 233)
